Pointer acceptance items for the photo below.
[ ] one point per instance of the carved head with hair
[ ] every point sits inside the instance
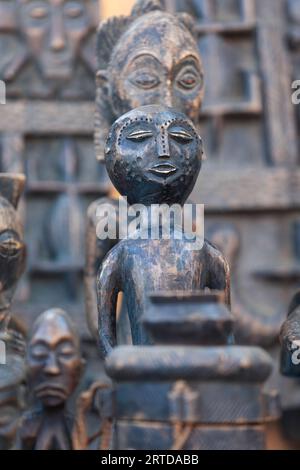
(149, 57)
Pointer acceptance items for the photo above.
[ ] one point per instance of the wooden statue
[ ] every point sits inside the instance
(54, 369)
(164, 67)
(12, 261)
(153, 156)
(12, 248)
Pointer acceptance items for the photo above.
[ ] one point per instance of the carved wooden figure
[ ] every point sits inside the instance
(149, 57)
(54, 369)
(12, 261)
(153, 156)
(12, 248)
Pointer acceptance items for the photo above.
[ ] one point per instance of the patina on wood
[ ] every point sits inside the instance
(153, 156)
(12, 262)
(54, 366)
(149, 57)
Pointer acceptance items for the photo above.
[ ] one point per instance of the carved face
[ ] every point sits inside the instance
(12, 253)
(54, 362)
(156, 62)
(153, 155)
(54, 30)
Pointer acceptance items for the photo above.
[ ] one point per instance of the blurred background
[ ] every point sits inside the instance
(250, 181)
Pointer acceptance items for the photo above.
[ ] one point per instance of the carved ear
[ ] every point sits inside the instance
(189, 22)
(109, 32)
(12, 186)
(142, 7)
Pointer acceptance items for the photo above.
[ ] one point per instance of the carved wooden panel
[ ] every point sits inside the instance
(47, 60)
(250, 181)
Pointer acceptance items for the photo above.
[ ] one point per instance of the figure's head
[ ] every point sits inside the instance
(148, 58)
(53, 358)
(12, 248)
(54, 30)
(153, 155)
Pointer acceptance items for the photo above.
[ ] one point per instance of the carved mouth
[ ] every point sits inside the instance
(163, 169)
(50, 390)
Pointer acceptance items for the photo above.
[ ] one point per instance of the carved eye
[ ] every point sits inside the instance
(39, 352)
(188, 79)
(39, 13)
(181, 136)
(73, 10)
(145, 80)
(9, 246)
(139, 135)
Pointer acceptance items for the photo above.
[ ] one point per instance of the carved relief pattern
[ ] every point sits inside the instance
(47, 56)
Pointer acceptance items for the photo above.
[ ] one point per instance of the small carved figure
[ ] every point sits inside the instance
(54, 370)
(134, 72)
(12, 248)
(12, 374)
(12, 262)
(153, 156)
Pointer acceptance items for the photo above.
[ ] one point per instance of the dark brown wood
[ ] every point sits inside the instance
(181, 394)
(158, 167)
(54, 368)
(133, 73)
(12, 263)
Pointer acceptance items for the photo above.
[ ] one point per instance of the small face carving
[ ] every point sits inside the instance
(12, 253)
(157, 62)
(54, 361)
(54, 30)
(153, 155)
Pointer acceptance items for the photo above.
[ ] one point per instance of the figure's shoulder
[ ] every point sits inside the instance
(103, 202)
(213, 253)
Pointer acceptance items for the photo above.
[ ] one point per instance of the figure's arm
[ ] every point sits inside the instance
(95, 252)
(108, 287)
(220, 275)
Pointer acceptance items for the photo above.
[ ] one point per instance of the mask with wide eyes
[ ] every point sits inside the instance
(10, 244)
(144, 79)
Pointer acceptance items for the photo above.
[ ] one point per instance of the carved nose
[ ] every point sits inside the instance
(52, 367)
(57, 35)
(163, 148)
(168, 99)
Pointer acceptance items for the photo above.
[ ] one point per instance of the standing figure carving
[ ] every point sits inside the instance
(149, 57)
(153, 156)
(54, 369)
(12, 262)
